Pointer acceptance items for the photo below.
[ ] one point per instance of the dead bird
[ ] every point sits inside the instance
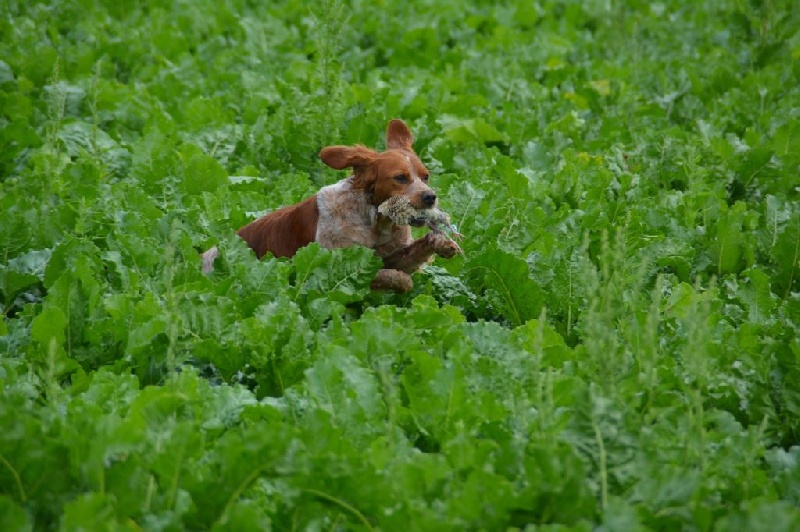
(400, 210)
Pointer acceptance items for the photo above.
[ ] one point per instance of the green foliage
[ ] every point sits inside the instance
(618, 348)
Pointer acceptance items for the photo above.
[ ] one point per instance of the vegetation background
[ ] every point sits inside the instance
(616, 350)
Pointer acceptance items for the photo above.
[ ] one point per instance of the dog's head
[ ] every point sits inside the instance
(394, 172)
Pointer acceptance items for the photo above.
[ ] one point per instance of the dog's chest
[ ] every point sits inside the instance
(345, 217)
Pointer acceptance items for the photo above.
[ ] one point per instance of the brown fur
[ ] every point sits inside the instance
(375, 172)
(284, 231)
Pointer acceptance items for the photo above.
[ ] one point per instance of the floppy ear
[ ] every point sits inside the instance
(341, 157)
(398, 136)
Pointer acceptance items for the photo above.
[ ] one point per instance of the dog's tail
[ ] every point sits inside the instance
(208, 259)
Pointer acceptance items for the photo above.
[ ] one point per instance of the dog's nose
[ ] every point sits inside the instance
(428, 199)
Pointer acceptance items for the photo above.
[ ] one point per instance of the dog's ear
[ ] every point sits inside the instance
(341, 157)
(398, 136)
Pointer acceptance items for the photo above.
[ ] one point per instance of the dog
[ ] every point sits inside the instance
(346, 213)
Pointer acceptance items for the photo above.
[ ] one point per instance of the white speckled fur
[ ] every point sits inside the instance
(346, 217)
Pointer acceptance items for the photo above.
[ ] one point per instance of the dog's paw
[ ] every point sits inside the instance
(392, 280)
(445, 247)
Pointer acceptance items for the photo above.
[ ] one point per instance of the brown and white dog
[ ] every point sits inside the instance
(346, 212)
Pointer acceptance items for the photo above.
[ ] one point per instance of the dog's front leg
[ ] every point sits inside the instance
(393, 280)
(410, 258)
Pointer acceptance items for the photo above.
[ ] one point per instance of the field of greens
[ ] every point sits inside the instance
(617, 349)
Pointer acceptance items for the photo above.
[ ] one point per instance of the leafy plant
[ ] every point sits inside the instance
(617, 349)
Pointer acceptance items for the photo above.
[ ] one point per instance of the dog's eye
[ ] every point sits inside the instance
(401, 178)
(425, 178)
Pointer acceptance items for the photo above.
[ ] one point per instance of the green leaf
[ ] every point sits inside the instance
(467, 130)
(146, 323)
(760, 515)
(620, 516)
(437, 393)
(340, 275)
(234, 469)
(81, 138)
(246, 515)
(540, 339)
(666, 487)
(91, 511)
(49, 326)
(758, 296)
(505, 281)
(13, 283)
(338, 385)
(6, 74)
(22, 272)
(12, 516)
(784, 142)
(202, 173)
(729, 240)
(785, 253)
(155, 161)
(278, 347)
(49, 331)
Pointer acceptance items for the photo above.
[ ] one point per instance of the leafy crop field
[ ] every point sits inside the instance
(617, 349)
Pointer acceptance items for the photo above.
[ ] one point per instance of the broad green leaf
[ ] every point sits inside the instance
(620, 516)
(202, 173)
(22, 272)
(6, 74)
(92, 511)
(471, 130)
(49, 329)
(437, 393)
(81, 138)
(728, 244)
(760, 515)
(539, 339)
(505, 281)
(786, 255)
(341, 275)
(279, 340)
(246, 515)
(758, 296)
(338, 385)
(12, 516)
(14, 282)
(231, 471)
